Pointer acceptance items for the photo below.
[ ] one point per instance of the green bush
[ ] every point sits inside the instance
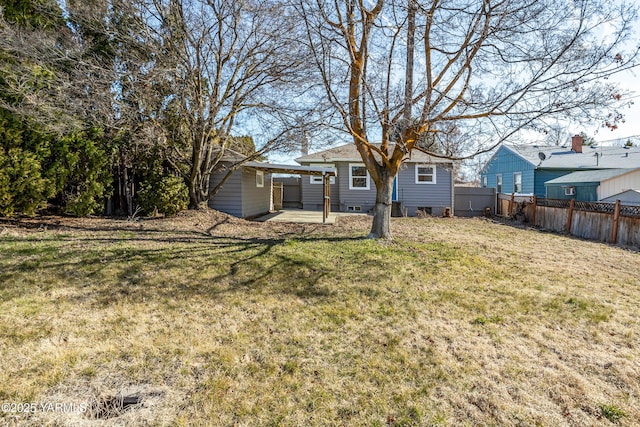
(22, 187)
(83, 173)
(168, 194)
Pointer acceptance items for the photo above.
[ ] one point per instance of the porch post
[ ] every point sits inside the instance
(326, 202)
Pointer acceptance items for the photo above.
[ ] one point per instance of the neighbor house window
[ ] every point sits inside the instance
(425, 174)
(499, 183)
(484, 182)
(259, 179)
(358, 177)
(517, 182)
(314, 179)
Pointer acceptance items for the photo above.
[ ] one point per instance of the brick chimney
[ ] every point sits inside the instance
(576, 143)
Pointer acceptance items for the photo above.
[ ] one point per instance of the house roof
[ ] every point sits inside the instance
(349, 153)
(628, 197)
(589, 176)
(558, 157)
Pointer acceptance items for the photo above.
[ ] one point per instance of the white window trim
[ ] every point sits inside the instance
(433, 168)
(317, 179)
(351, 187)
(260, 179)
(499, 186)
(514, 182)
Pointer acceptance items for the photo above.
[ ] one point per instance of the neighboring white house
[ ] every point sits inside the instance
(619, 184)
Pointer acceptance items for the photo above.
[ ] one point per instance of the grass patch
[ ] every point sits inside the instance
(612, 412)
(454, 322)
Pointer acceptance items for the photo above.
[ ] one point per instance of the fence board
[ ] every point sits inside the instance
(590, 220)
(629, 231)
(551, 218)
(591, 225)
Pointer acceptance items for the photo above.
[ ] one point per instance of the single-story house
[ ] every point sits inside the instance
(526, 168)
(248, 191)
(593, 185)
(423, 183)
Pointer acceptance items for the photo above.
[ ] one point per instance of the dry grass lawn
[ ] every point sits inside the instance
(208, 320)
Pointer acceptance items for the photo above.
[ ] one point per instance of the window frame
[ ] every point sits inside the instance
(517, 178)
(259, 179)
(317, 179)
(418, 174)
(366, 177)
(499, 183)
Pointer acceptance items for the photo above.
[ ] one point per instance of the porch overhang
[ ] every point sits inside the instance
(292, 169)
(325, 173)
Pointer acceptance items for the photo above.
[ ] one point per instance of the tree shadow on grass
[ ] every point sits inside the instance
(106, 270)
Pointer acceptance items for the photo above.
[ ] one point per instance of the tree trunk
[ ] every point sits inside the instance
(194, 192)
(381, 227)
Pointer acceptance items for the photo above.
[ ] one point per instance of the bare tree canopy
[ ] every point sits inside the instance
(179, 75)
(227, 60)
(396, 70)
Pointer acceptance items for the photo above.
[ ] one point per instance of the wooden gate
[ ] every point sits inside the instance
(277, 196)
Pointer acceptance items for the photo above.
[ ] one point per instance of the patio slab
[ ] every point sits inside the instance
(302, 216)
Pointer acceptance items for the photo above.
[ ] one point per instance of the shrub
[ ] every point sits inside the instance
(168, 194)
(22, 187)
(84, 173)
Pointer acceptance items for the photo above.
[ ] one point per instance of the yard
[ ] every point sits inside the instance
(204, 319)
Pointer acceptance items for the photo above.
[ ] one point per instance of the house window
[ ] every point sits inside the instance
(259, 179)
(425, 174)
(517, 182)
(570, 191)
(316, 179)
(358, 177)
(484, 182)
(499, 183)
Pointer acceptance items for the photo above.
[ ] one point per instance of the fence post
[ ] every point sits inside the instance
(513, 195)
(535, 207)
(616, 223)
(570, 216)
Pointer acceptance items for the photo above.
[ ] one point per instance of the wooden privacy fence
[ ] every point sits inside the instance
(607, 222)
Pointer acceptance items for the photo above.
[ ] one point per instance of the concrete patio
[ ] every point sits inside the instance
(303, 216)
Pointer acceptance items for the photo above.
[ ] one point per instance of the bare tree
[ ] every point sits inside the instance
(181, 76)
(229, 64)
(492, 67)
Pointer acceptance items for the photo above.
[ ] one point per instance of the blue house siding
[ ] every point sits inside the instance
(505, 162)
(584, 191)
(544, 175)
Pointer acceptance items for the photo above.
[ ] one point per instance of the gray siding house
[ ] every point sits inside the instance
(423, 183)
(245, 194)
(247, 191)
